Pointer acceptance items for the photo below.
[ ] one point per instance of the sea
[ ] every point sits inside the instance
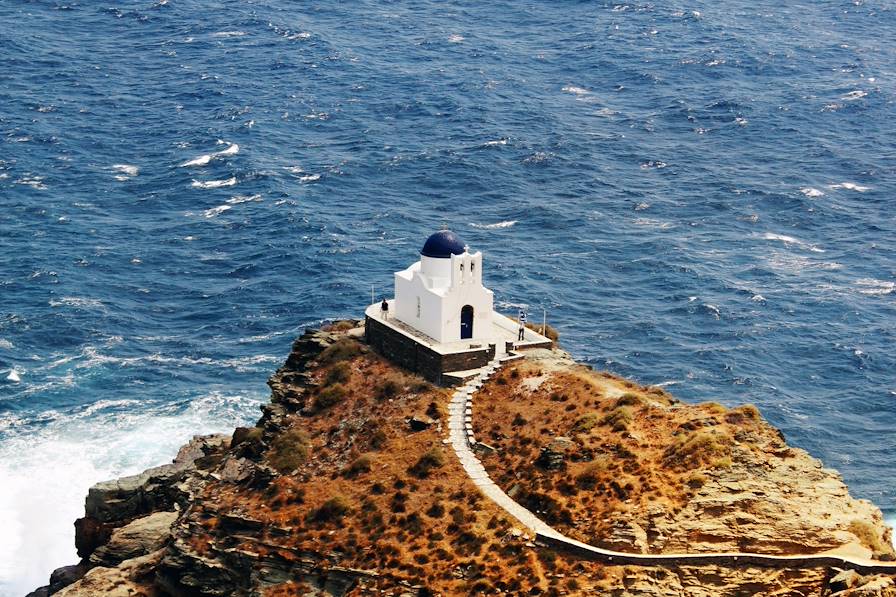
(698, 195)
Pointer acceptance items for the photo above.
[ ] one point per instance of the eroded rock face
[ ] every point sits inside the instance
(137, 538)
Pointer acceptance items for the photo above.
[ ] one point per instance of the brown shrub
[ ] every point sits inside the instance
(698, 447)
(430, 461)
(329, 396)
(587, 422)
(338, 373)
(341, 350)
(362, 464)
(619, 418)
(333, 509)
(289, 450)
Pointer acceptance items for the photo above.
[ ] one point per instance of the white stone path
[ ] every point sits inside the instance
(462, 439)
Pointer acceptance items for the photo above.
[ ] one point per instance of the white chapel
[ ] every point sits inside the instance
(441, 322)
(442, 295)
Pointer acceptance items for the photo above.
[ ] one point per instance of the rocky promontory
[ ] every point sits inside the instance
(346, 485)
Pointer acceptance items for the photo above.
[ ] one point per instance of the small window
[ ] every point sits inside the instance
(461, 267)
(418, 307)
(472, 267)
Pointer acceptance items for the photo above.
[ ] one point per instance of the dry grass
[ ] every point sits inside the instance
(868, 536)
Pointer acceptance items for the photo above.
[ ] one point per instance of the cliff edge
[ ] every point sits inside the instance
(347, 486)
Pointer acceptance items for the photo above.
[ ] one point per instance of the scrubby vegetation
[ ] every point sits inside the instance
(289, 450)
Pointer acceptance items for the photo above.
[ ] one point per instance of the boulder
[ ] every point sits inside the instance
(131, 578)
(66, 575)
(137, 538)
(420, 422)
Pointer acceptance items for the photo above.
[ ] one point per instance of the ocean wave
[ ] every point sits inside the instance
(455, 38)
(204, 160)
(875, 287)
(214, 184)
(792, 241)
(237, 199)
(125, 171)
(214, 211)
(849, 186)
(229, 34)
(579, 91)
(811, 192)
(33, 181)
(44, 485)
(854, 95)
(496, 225)
(77, 301)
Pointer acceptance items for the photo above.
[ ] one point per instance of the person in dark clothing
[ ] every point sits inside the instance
(522, 333)
(385, 307)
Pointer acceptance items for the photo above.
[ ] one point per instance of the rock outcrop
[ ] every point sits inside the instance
(343, 488)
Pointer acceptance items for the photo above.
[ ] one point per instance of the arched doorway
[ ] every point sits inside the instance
(466, 322)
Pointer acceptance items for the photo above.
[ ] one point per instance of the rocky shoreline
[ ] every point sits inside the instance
(341, 489)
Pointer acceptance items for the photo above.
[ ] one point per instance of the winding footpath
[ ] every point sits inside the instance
(462, 439)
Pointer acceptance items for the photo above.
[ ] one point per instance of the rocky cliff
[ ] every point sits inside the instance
(346, 486)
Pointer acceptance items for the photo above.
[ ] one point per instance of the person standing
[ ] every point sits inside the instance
(384, 306)
(522, 318)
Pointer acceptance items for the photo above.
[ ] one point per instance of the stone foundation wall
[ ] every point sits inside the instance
(410, 354)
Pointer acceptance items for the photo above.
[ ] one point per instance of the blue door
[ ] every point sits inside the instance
(466, 322)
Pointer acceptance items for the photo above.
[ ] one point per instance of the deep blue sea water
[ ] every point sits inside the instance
(700, 194)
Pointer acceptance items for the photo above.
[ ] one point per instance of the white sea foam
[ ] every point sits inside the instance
(792, 241)
(237, 199)
(849, 186)
(14, 376)
(309, 178)
(35, 182)
(495, 142)
(854, 95)
(4, 343)
(455, 38)
(214, 184)
(872, 286)
(203, 160)
(77, 301)
(126, 169)
(579, 91)
(211, 213)
(496, 225)
(47, 468)
(229, 34)
(757, 298)
(811, 192)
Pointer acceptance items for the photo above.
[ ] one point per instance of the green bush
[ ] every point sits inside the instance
(289, 450)
(699, 447)
(629, 399)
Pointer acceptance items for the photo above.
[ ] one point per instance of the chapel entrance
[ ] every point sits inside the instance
(466, 322)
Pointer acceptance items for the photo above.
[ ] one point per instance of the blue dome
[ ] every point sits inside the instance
(443, 244)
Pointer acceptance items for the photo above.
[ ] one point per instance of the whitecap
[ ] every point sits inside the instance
(214, 184)
(14, 376)
(757, 298)
(495, 142)
(455, 38)
(126, 169)
(309, 178)
(4, 343)
(211, 213)
(76, 301)
(203, 160)
(35, 182)
(300, 35)
(237, 199)
(496, 225)
(871, 286)
(741, 121)
(576, 90)
(811, 192)
(849, 186)
(229, 34)
(854, 95)
(792, 241)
